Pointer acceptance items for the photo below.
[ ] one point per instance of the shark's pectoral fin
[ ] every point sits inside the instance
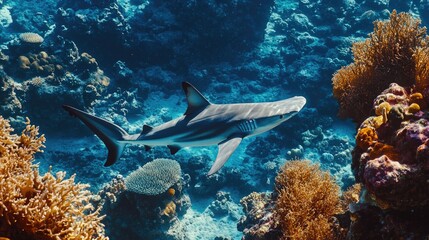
(173, 149)
(226, 148)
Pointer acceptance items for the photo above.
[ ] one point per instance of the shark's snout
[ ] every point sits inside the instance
(300, 102)
(293, 105)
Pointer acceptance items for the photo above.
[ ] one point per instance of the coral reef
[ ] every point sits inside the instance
(131, 215)
(303, 206)
(37, 206)
(45, 75)
(223, 205)
(161, 30)
(371, 222)
(258, 221)
(392, 161)
(118, 59)
(387, 56)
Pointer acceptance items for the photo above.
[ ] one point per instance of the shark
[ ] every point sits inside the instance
(202, 124)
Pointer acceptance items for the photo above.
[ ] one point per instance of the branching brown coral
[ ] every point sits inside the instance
(40, 207)
(394, 52)
(421, 58)
(308, 198)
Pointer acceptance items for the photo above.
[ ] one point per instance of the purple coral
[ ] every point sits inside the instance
(382, 173)
(410, 137)
(395, 169)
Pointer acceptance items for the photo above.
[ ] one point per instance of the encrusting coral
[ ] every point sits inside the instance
(308, 198)
(396, 52)
(40, 207)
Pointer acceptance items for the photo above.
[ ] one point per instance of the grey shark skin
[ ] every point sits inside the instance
(203, 124)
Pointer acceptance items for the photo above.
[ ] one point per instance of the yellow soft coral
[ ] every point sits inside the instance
(40, 207)
(396, 51)
(413, 108)
(307, 201)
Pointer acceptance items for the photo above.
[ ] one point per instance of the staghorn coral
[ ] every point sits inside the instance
(396, 51)
(154, 178)
(40, 207)
(307, 201)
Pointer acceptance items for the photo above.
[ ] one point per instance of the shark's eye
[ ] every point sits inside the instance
(281, 116)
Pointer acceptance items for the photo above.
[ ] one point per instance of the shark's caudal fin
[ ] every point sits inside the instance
(111, 134)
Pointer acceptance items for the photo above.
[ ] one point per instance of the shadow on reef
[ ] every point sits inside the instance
(183, 31)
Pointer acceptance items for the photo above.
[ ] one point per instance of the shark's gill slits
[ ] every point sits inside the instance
(247, 126)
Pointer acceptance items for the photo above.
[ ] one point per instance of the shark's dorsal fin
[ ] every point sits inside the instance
(146, 129)
(173, 149)
(226, 148)
(196, 101)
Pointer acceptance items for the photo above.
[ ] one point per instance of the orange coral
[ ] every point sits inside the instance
(379, 149)
(416, 97)
(396, 51)
(40, 207)
(308, 199)
(366, 137)
(171, 191)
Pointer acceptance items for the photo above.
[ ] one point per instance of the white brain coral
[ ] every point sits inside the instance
(30, 37)
(154, 177)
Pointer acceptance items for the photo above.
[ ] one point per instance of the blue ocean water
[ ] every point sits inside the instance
(124, 61)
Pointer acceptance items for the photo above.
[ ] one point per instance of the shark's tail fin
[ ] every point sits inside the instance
(111, 134)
